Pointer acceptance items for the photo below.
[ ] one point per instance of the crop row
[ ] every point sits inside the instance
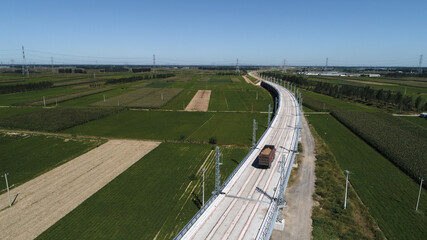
(400, 141)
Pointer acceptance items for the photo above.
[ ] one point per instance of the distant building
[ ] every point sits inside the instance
(374, 75)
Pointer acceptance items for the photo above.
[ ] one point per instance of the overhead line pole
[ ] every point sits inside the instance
(346, 186)
(419, 194)
(203, 195)
(8, 191)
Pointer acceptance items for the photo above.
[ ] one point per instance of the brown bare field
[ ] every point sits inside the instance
(44, 200)
(235, 80)
(200, 101)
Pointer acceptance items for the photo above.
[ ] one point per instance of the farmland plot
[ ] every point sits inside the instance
(55, 119)
(49, 197)
(200, 101)
(51, 100)
(389, 194)
(25, 156)
(148, 210)
(144, 98)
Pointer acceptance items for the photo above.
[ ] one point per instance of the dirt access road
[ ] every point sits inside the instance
(44, 200)
(200, 101)
(297, 213)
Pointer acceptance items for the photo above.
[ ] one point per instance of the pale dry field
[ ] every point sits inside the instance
(44, 200)
(200, 101)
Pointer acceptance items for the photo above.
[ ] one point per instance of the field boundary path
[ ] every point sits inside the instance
(297, 213)
(248, 80)
(200, 101)
(44, 200)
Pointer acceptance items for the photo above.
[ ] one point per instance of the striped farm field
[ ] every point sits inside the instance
(228, 128)
(25, 156)
(389, 194)
(164, 195)
(144, 98)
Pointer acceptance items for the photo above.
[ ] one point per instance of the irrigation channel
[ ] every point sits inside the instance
(249, 203)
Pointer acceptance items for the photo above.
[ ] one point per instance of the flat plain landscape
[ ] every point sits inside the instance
(160, 192)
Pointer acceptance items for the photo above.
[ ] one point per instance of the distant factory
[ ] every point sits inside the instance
(339, 74)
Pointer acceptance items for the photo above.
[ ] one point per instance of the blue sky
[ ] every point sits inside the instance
(374, 32)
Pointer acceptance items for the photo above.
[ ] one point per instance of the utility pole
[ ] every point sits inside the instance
(326, 66)
(24, 65)
(237, 66)
(284, 65)
(346, 185)
(254, 133)
(7, 186)
(419, 194)
(51, 61)
(44, 101)
(203, 194)
(217, 172)
(420, 69)
(269, 113)
(277, 103)
(104, 97)
(154, 63)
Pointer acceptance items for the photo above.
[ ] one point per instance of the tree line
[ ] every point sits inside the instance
(387, 98)
(70, 70)
(137, 70)
(138, 78)
(25, 87)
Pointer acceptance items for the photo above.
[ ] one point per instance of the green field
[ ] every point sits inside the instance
(91, 99)
(20, 97)
(233, 96)
(416, 120)
(228, 128)
(10, 111)
(164, 197)
(26, 156)
(240, 100)
(413, 87)
(400, 141)
(144, 97)
(54, 119)
(323, 103)
(389, 194)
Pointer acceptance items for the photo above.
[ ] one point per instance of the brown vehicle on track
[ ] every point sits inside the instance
(266, 156)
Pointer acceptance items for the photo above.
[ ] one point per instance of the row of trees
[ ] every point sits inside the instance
(138, 78)
(137, 70)
(365, 94)
(25, 87)
(70, 70)
(226, 73)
